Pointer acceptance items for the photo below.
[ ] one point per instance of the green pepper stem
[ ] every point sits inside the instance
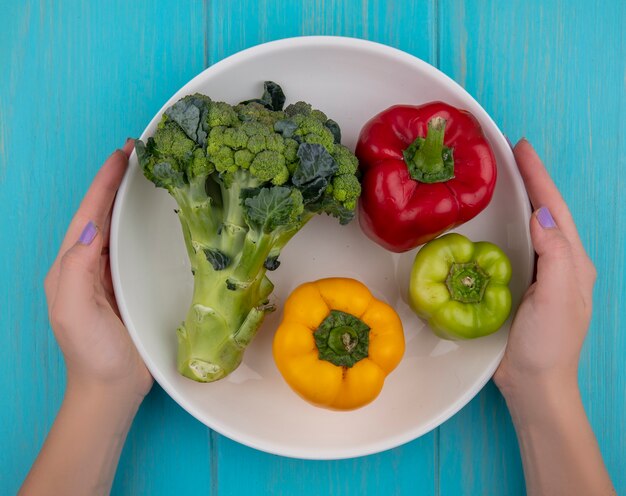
(467, 282)
(427, 159)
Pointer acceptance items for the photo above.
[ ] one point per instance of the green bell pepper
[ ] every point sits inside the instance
(461, 287)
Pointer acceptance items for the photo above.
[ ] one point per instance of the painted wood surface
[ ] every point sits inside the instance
(544, 70)
(77, 78)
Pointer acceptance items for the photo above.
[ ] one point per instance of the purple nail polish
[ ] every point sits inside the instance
(88, 234)
(545, 218)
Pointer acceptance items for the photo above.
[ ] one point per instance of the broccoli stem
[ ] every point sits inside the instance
(219, 325)
(221, 321)
(228, 305)
(196, 214)
(258, 247)
(234, 227)
(253, 255)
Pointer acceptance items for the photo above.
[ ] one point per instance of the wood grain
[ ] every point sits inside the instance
(237, 24)
(77, 78)
(555, 73)
(82, 76)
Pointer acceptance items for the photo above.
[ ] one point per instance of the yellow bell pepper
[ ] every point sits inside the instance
(337, 343)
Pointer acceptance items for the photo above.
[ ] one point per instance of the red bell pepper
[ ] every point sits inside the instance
(426, 169)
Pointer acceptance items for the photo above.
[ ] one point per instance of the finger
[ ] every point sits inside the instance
(99, 198)
(79, 272)
(107, 285)
(556, 263)
(106, 226)
(105, 271)
(555, 257)
(106, 232)
(543, 192)
(128, 146)
(95, 207)
(105, 275)
(105, 267)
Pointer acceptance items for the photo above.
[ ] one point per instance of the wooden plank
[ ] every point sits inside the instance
(77, 79)
(407, 25)
(238, 24)
(553, 72)
(409, 469)
(84, 76)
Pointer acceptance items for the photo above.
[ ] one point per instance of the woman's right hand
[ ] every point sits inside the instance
(551, 324)
(538, 375)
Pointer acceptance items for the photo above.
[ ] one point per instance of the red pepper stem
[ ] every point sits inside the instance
(428, 160)
(429, 153)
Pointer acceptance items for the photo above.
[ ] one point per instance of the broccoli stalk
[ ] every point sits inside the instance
(246, 179)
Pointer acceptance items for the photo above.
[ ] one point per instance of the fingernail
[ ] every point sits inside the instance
(115, 152)
(545, 218)
(88, 234)
(508, 141)
(129, 139)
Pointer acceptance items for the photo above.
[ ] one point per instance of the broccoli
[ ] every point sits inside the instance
(246, 178)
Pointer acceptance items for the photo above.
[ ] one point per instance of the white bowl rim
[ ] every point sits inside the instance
(262, 444)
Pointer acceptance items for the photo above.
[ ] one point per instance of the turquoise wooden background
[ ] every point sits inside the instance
(78, 77)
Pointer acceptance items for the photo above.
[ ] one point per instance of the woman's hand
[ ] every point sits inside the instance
(552, 321)
(538, 375)
(83, 313)
(106, 379)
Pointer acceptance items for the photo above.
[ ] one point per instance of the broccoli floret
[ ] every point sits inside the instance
(305, 109)
(257, 143)
(221, 114)
(319, 115)
(215, 141)
(347, 162)
(291, 154)
(291, 149)
(298, 108)
(171, 141)
(235, 138)
(246, 179)
(255, 128)
(275, 142)
(200, 165)
(255, 112)
(324, 138)
(224, 160)
(244, 158)
(311, 130)
(346, 189)
(270, 165)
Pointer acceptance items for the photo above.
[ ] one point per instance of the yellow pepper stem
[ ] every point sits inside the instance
(342, 339)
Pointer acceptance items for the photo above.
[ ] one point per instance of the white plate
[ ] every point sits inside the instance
(350, 80)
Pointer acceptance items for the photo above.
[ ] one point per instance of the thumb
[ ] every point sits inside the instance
(555, 254)
(80, 268)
